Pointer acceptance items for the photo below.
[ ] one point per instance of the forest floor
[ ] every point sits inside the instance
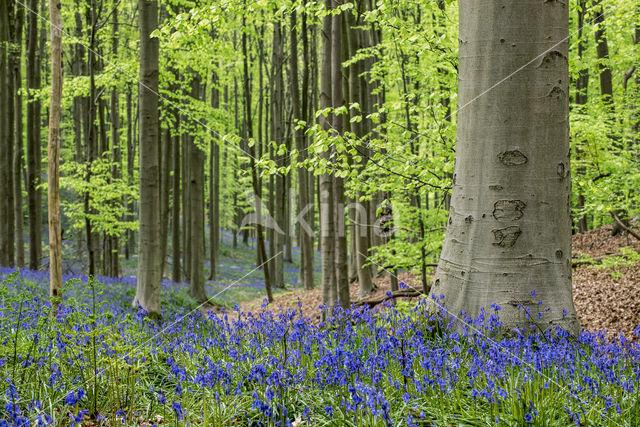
(606, 285)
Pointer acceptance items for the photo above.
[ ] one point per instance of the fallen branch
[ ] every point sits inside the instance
(623, 226)
(402, 293)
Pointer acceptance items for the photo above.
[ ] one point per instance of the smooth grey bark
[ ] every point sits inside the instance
(148, 286)
(327, 214)
(196, 215)
(337, 100)
(509, 228)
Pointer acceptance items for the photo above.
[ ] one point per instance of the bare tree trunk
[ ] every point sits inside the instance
(277, 135)
(131, 154)
(327, 212)
(5, 141)
(175, 231)
(495, 250)
(18, 152)
(165, 185)
(337, 98)
(254, 174)
(34, 152)
(196, 215)
(53, 155)
(148, 287)
(306, 245)
(214, 187)
(582, 85)
(360, 216)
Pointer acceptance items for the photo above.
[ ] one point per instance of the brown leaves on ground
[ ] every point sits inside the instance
(609, 298)
(605, 299)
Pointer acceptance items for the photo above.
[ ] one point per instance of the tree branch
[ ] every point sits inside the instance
(624, 227)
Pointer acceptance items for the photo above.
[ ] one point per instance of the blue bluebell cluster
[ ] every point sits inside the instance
(96, 358)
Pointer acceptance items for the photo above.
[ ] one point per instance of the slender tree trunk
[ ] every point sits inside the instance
(165, 186)
(34, 153)
(327, 213)
(53, 155)
(495, 250)
(8, 142)
(116, 151)
(18, 152)
(78, 107)
(131, 154)
(5, 141)
(214, 187)
(149, 275)
(196, 215)
(342, 271)
(254, 174)
(582, 85)
(175, 232)
(277, 135)
(359, 229)
(306, 244)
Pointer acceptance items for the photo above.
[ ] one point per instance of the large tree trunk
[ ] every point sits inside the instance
(512, 168)
(327, 214)
(53, 154)
(196, 215)
(34, 153)
(148, 287)
(214, 187)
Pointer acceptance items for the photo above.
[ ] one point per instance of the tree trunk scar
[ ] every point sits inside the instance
(548, 60)
(563, 172)
(506, 237)
(508, 210)
(512, 158)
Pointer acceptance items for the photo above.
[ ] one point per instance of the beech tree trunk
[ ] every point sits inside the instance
(34, 152)
(175, 226)
(18, 152)
(277, 135)
(337, 100)
(512, 168)
(306, 245)
(148, 287)
(327, 213)
(5, 188)
(582, 85)
(252, 162)
(53, 154)
(196, 215)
